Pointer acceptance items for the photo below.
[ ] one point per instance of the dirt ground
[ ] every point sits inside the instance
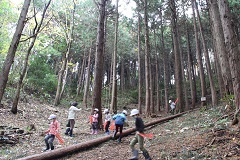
(202, 134)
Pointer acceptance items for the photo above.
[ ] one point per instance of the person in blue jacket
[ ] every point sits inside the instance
(119, 121)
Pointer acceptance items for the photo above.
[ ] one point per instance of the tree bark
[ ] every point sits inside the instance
(233, 49)
(208, 65)
(151, 81)
(139, 64)
(199, 58)
(147, 56)
(86, 89)
(177, 64)
(185, 77)
(122, 74)
(158, 101)
(98, 68)
(13, 47)
(81, 75)
(64, 79)
(185, 93)
(192, 79)
(165, 66)
(220, 46)
(113, 107)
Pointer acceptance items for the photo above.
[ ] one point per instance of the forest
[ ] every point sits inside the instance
(118, 54)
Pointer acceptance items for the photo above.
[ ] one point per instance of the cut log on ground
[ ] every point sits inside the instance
(61, 152)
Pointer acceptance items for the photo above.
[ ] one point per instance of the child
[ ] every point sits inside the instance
(51, 132)
(138, 139)
(71, 118)
(107, 121)
(95, 121)
(172, 106)
(119, 121)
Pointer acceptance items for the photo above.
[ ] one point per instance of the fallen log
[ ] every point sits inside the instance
(61, 152)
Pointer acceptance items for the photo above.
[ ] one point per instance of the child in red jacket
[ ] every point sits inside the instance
(95, 121)
(53, 130)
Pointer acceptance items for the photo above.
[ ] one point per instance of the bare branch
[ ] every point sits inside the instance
(97, 4)
(37, 27)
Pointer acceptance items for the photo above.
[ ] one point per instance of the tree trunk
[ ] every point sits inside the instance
(158, 104)
(35, 33)
(12, 49)
(157, 82)
(139, 65)
(156, 77)
(113, 107)
(134, 73)
(233, 48)
(165, 66)
(64, 79)
(185, 77)
(199, 58)
(122, 75)
(184, 81)
(208, 65)
(177, 64)
(192, 79)
(147, 56)
(98, 69)
(222, 88)
(86, 89)
(81, 75)
(220, 46)
(69, 40)
(151, 81)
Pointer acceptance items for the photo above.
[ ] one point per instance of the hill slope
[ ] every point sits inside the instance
(201, 134)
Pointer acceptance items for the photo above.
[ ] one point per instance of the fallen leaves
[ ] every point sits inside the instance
(196, 135)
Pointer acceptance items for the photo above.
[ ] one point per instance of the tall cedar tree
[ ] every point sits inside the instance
(220, 47)
(113, 108)
(147, 56)
(178, 70)
(13, 48)
(233, 49)
(98, 72)
(199, 56)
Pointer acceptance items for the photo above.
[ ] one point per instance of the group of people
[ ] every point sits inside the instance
(54, 126)
(119, 120)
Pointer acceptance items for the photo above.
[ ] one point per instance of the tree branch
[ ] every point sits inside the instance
(37, 29)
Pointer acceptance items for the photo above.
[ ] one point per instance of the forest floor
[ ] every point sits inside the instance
(201, 134)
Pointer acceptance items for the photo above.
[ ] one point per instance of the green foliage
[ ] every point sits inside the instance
(128, 97)
(229, 99)
(203, 109)
(223, 121)
(39, 4)
(40, 76)
(9, 92)
(8, 18)
(123, 98)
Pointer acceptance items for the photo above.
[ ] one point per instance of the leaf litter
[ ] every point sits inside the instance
(201, 135)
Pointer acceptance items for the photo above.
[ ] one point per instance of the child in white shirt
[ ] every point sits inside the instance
(71, 118)
(107, 121)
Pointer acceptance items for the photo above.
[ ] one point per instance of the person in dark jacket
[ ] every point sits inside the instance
(138, 138)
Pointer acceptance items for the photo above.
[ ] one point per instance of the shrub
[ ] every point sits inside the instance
(41, 77)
